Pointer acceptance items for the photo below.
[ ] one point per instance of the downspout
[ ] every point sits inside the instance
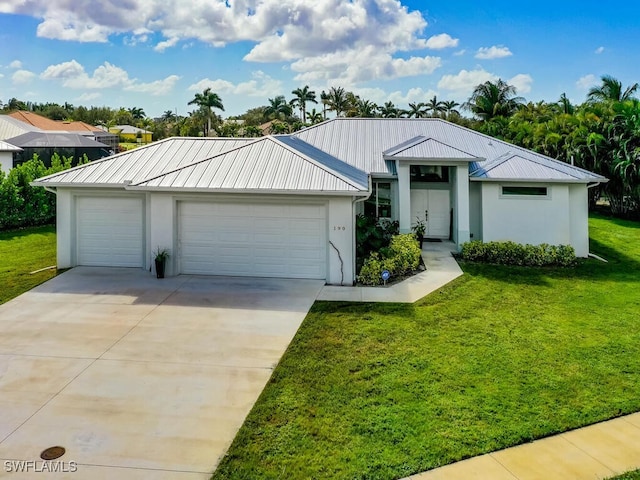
(353, 226)
(51, 189)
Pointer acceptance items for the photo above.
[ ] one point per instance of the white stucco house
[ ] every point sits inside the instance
(285, 206)
(6, 155)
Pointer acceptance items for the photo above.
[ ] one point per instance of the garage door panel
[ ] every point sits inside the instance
(109, 231)
(268, 240)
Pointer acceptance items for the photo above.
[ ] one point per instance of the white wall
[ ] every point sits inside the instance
(525, 219)
(65, 228)
(579, 219)
(6, 161)
(475, 210)
(341, 225)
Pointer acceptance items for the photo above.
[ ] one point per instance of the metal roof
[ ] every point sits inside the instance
(516, 167)
(7, 147)
(424, 147)
(128, 129)
(10, 127)
(145, 162)
(266, 164)
(361, 142)
(56, 140)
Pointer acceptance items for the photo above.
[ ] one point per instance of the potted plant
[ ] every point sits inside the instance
(419, 229)
(161, 256)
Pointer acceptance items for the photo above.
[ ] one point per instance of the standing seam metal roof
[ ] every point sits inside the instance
(268, 163)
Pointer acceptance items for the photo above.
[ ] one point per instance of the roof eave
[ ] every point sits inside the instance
(433, 159)
(539, 180)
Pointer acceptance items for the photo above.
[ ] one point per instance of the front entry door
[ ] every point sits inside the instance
(432, 206)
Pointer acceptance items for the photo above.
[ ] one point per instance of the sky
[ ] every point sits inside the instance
(156, 54)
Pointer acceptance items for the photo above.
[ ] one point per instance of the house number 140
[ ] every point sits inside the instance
(339, 227)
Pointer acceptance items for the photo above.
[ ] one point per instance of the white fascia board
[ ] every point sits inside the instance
(536, 180)
(340, 193)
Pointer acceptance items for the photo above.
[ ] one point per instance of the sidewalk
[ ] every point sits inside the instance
(594, 452)
(441, 269)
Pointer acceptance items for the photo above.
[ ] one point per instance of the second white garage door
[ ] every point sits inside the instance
(250, 239)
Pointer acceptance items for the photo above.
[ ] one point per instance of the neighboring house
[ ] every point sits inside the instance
(46, 144)
(285, 206)
(132, 134)
(6, 155)
(78, 128)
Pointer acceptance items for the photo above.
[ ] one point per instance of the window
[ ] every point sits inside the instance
(379, 203)
(524, 191)
(429, 173)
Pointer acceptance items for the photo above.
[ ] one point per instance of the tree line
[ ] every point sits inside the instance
(602, 134)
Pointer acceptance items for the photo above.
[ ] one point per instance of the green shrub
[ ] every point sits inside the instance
(511, 253)
(372, 235)
(22, 205)
(400, 258)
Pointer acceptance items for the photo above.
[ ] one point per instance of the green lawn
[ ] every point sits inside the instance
(635, 475)
(501, 356)
(22, 252)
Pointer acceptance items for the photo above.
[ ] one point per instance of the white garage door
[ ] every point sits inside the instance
(249, 239)
(109, 231)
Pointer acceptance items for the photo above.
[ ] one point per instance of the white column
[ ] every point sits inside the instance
(462, 203)
(404, 197)
(161, 232)
(65, 233)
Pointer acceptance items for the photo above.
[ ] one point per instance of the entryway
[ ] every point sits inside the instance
(432, 207)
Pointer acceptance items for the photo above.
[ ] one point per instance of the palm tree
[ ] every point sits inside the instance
(324, 98)
(434, 106)
(137, 113)
(206, 101)
(416, 110)
(365, 108)
(302, 96)
(389, 110)
(315, 117)
(611, 91)
(337, 100)
(278, 106)
(565, 105)
(168, 116)
(490, 100)
(450, 107)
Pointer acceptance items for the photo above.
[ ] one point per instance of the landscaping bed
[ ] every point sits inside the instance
(501, 356)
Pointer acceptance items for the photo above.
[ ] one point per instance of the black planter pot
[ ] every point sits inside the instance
(159, 269)
(420, 240)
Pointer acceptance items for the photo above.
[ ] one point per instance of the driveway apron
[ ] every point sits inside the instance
(135, 376)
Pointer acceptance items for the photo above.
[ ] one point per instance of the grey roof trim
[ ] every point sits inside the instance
(404, 145)
(345, 172)
(436, 159)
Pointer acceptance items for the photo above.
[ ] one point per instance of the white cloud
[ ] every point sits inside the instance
(522, 82)
(489, 53)
(298, 31)
(87, 97)
(1, 75)
(15, 64)
(441, 41)
(599, 50)
(21, 77)
(586, 82)
(465, 81)
(73, 75)
(162, 46)
(459, 53)
(260, 85)
(413, 95)
(350, 67)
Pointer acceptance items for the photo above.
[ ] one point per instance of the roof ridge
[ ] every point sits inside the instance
(318, 164)
(199, 161)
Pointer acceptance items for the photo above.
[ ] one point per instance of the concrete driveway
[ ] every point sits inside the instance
(138, 377)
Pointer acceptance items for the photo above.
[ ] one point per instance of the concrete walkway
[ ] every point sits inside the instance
(595, 452)
(441, 269)
(138, 377)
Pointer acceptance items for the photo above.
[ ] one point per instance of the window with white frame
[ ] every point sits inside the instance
(524, 191)
(378, 205)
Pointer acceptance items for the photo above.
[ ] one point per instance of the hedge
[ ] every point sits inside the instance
(22, 205)
(511, 253)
